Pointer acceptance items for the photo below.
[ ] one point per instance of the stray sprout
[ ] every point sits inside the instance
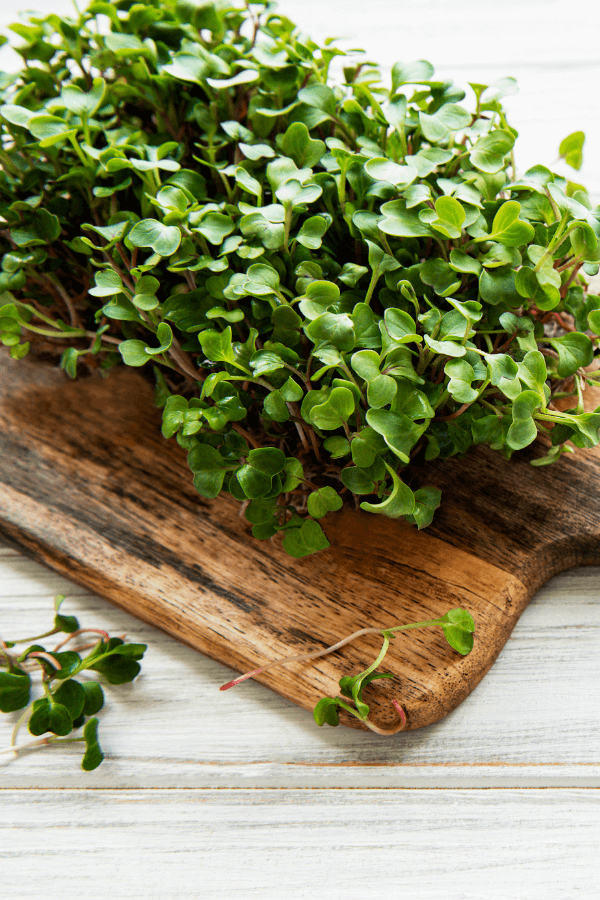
(67, 704)
(458, 627)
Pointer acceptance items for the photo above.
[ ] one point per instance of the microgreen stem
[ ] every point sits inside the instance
(372, 285)
(73, 634)
(43, 742)
(39, 654)
(20, 721)
(36, 637)
(316, 654)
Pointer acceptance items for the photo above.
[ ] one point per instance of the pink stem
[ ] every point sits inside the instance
(393, 730)
(43, 655)
(105, 636)
(302, 657)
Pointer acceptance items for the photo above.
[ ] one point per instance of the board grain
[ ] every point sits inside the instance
(89, 487)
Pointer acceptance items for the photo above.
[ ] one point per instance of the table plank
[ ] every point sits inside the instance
(533, 844)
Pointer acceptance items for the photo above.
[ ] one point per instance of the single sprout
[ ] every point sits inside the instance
(458, 627)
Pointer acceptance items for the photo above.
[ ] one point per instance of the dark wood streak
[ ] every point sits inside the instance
(89, 487)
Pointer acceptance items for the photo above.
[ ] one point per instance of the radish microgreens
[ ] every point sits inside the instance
(67, 703)
(328, 281)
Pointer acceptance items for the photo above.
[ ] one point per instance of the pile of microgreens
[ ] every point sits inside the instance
(327, 281)
(67, 703)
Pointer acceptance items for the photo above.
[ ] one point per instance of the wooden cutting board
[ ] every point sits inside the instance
(89, 487)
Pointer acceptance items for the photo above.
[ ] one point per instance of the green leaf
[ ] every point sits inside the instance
(66, 624)
(209, 470)
(337, 446)
(508, 228)
(50, 130)
(448, 119)
(497, 287)
(259, 512)
(268, 460)
(93, 755)
(108, 283)
(292, 194)
(309, 538)
(418, 72)
(248, 183)
(294, 474)
(93, 698)
(320, 96)
(575, 351)
(357, 480)
(383, 169)
(16, 115)
(173, 415)
(489, 151)
(82, 103)
(381, 391)
(276, 407)
(336, 410)
(335, 328)
(504, 373)
(14, 690)
(311, 232)
(571, 149)
(458, 627)
(165, 337)
(533, 373)
(322, 501)
(402, 222)
(427, 500)
(256, 151)
(117, 661)
(299, 146)
(366, 363)
(447, 218)
(545, 296)
(440, 275)
(256, 476)
(134, 352)
(401, 501)
(398, 431)
(363, 451)
(110, 233)
(401, 327)
(326, 711)
(163, 239)
(216, 345)
(291, 390)
(71, 695)
(48, 715)
(246, 76)
(523, 430)
(461, 374)
(445, 348)
(461, 262)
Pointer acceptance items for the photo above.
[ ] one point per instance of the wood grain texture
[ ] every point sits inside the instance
(266, 845)
(89, 486)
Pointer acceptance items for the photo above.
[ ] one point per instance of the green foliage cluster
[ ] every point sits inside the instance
(68, 703)
(326, 281)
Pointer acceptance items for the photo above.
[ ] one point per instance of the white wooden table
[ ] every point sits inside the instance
(210, 795)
